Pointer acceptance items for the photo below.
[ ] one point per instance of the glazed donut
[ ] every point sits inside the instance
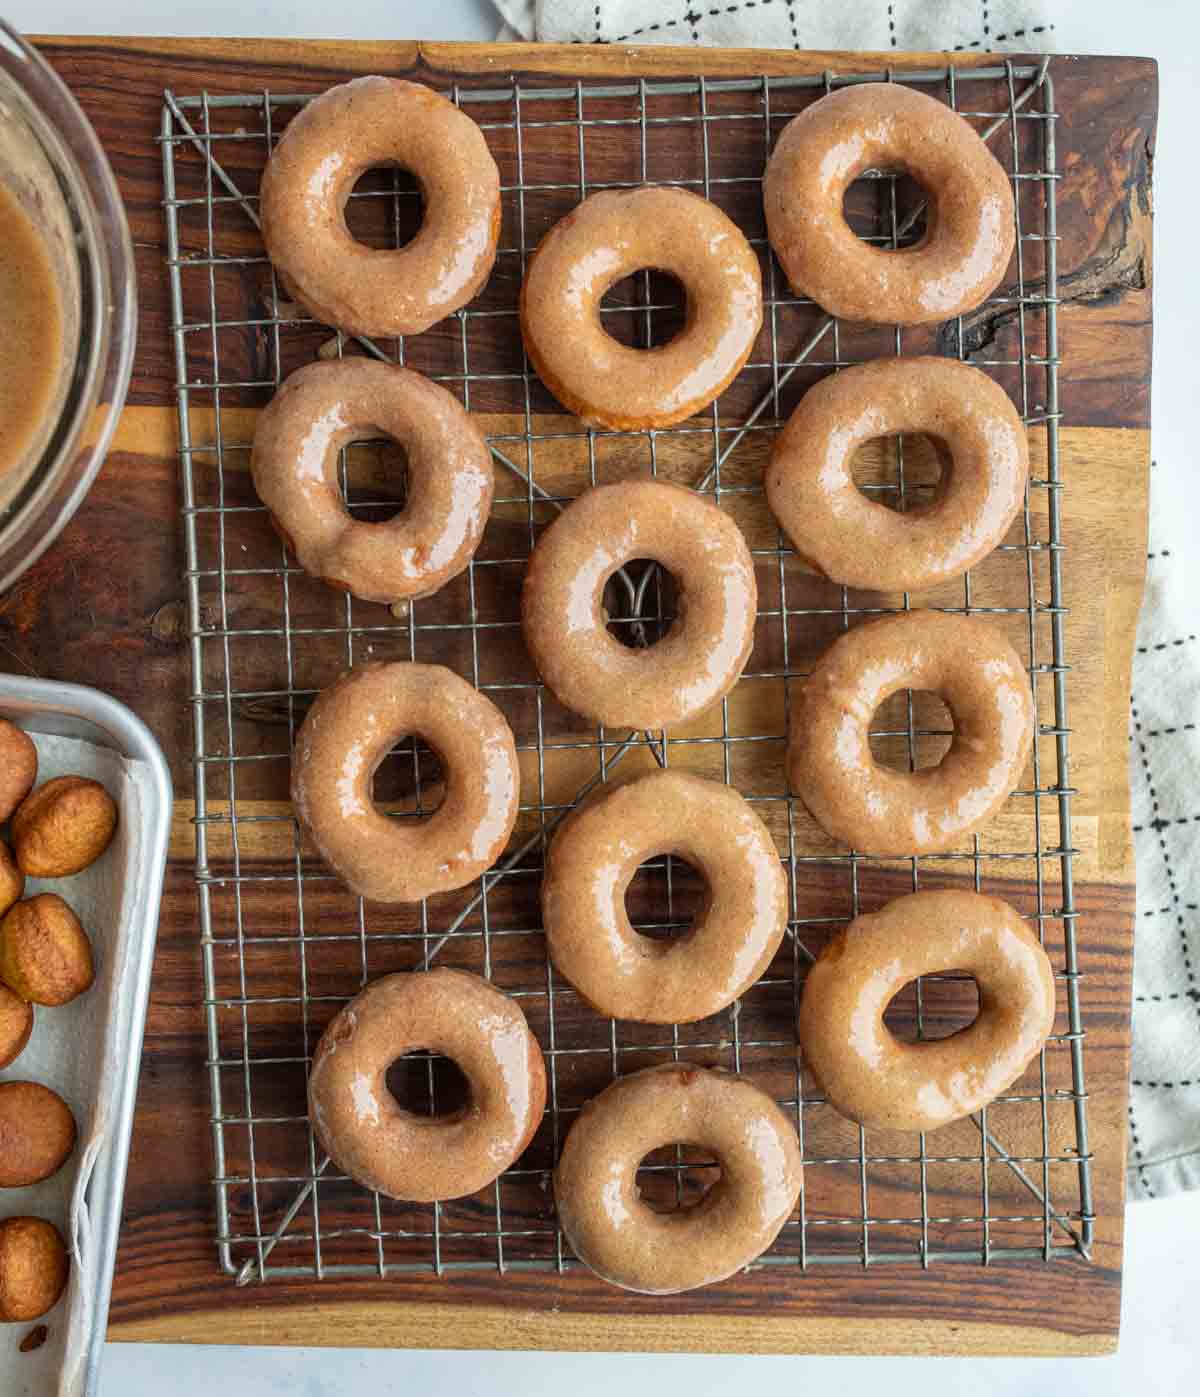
(626, 1242)
(882, 126)
(874, 1078)
(326, 147)
(971, 665)
(351, 727)
(594, 856)
(861, 543)
(706, 649)
(418, 1159)
(321, 408)
(611, 235)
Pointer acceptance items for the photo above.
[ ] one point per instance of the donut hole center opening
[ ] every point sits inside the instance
(640, 603)
(665, 898)
(373, 479)
(905, 473)
(676, 1178)
(646, 310)
(887, 209)
(428, 1084)
(385, 209)
(933, 1007)
(410, 782)
(911, 730)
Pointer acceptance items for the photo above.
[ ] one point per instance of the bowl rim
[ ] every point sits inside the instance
(105, 361)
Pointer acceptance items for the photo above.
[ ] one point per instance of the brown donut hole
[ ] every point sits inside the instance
(63, 827)
(16, 1024)
(12, 880)
(37, 1133)
(18, 767)
(34, 1267)
(45, 954)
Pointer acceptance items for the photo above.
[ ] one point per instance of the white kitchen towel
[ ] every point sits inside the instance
(800, 24)
(1164, 1109)
(1164, 771)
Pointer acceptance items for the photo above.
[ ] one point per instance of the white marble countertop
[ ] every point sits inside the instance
(1160, 1346)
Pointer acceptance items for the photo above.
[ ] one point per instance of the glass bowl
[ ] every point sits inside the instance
(51, 161)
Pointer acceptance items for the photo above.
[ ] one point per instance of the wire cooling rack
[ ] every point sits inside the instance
(284, 944)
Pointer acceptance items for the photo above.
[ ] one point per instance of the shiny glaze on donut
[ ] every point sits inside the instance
(706, 649)
(589, 867)
(611, 235)
(620, 1237)
(879, 1081)
(857, 541)
(321, 408)
(970, 664)
(324, 150)
(366, 1132)
(969, 235)
(352, 726)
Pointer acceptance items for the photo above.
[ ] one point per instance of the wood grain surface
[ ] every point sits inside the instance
(106, 605)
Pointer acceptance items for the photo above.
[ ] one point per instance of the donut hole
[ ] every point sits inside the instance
(933, 1007)
(410, 782)
(373, 476)
(911, 729)
(888, 209)
(384, 210)
(676, 1178)
(644, 311)
(903, 473)
(641, 603)
(428, 1084)
(664, 899)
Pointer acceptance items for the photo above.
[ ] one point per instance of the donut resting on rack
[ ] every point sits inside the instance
(566, 628)
(970, 664)
(323, 407)
(610, 1226)
(591, 862)
(874, 1078)
(351, 727)
(969, 234)
(418, 1158)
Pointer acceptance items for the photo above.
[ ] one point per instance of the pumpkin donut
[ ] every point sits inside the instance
(566, 630)
(589, 867)
(611, 235)
(970, 664)
(969, 234)
(352, 726)
(366, 1132)
(325, 148)
(321, 408)
(610, 1227)
(875, 1079)
(858, 541)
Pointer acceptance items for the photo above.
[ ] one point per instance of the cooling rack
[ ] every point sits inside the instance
(284, 944)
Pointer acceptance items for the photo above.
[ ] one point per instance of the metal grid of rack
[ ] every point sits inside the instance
(284, 944)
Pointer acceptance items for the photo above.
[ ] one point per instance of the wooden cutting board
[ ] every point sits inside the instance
(105, 606)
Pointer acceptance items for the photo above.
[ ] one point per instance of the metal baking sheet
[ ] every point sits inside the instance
(93, 1180)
